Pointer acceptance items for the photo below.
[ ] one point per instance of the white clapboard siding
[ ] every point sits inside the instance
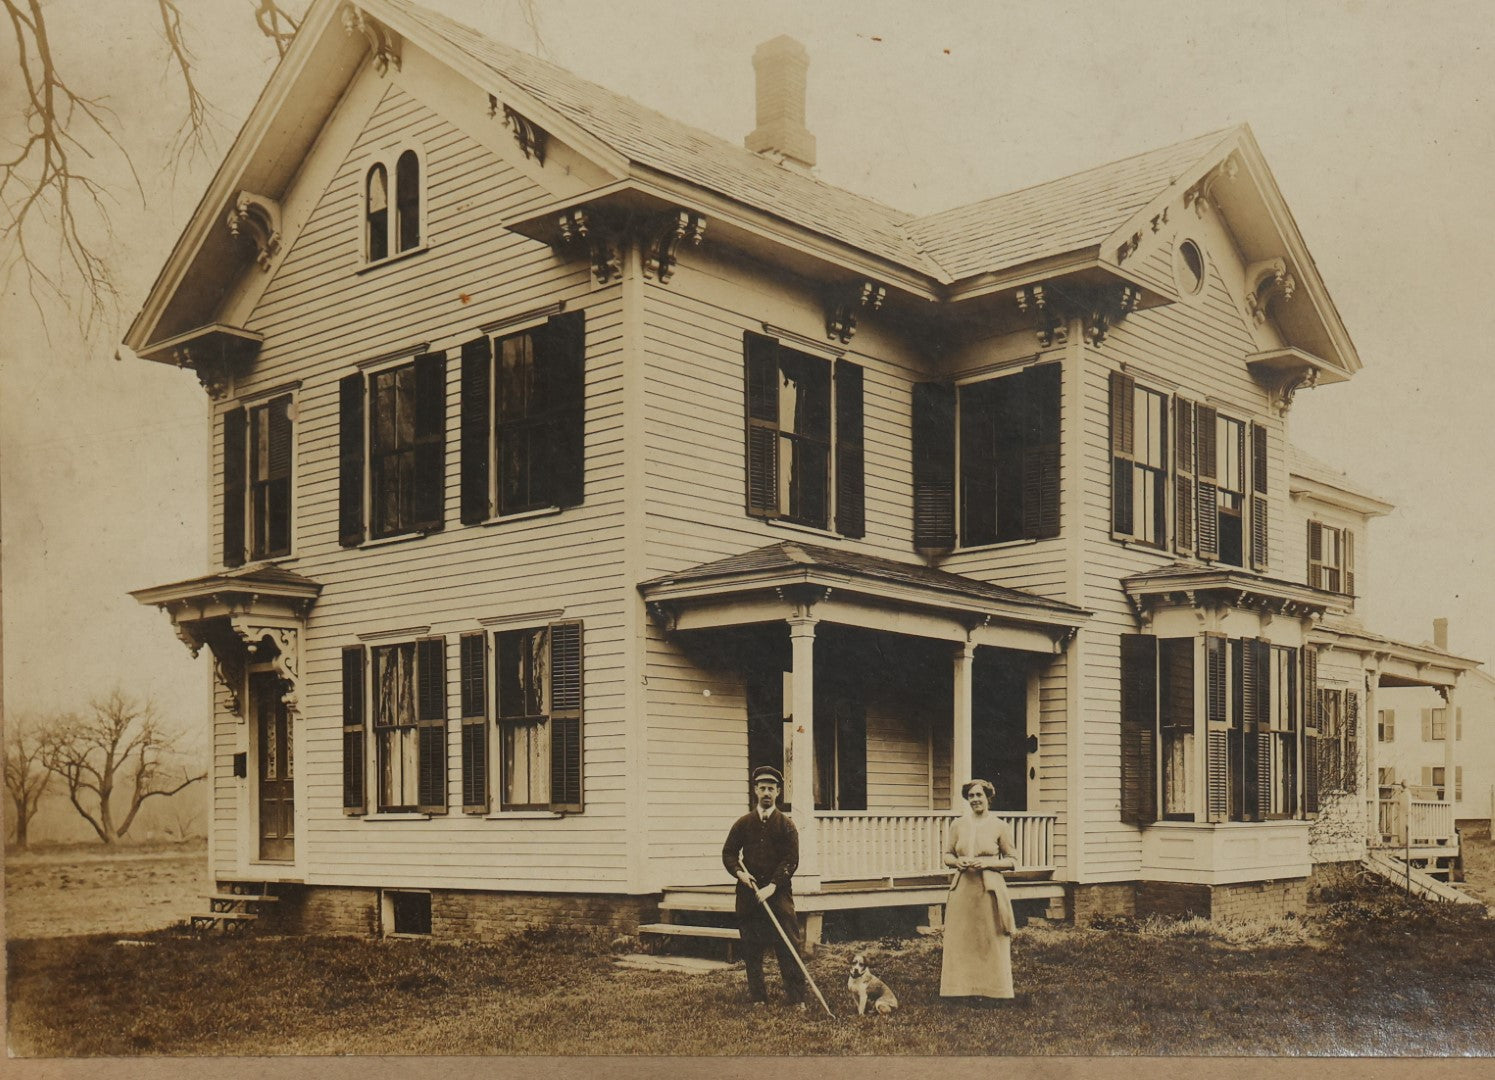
(323, 313)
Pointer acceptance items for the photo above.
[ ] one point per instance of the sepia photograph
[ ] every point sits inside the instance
(535, 529)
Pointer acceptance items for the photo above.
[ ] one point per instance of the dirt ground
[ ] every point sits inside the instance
(72, 892)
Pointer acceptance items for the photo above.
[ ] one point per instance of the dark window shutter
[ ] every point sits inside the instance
(278, 509)
(565, 717)
(1041, 454)
(934, 465)
(761, 378)
(477, 428)
(851, 485)
(1263, 717)
(1207, 520)
(1183, 475)
(1259, 522)
(350, 460)
(1351, 741)
(1217, 730)
(1123, 450)
(1348, 549)
(474, 665)
(235, 481)
(562, 348)
(429, 507)
(430, 719)
(1313, 719)
(355, 799)
(1251, 676)
(1139, 705)
(1315, 555)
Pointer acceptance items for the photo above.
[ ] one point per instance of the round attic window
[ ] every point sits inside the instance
(1188, 268)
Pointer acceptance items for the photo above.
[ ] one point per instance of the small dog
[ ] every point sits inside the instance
(870, 991)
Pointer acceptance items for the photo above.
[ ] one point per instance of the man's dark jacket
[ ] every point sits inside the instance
(770, 852)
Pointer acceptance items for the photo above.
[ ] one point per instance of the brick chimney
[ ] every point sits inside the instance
(781, 66)
(1440, 634)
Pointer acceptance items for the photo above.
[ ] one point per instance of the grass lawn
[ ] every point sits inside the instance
(1372, 974)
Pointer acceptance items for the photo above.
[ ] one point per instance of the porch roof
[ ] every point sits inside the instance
(764, 584)
(1193, 585)
(268, 582)
(1398, 663)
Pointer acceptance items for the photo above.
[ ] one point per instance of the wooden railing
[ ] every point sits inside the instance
(1418, 822)
(871, 844)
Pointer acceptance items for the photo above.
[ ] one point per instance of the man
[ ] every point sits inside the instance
(762, 853)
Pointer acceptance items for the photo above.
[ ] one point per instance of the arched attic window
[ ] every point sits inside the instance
(407, 201)
(376, 214)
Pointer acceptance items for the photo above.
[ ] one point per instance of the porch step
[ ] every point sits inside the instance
(227, 922)
(716, 933)
(233, 908)
(1396, 872)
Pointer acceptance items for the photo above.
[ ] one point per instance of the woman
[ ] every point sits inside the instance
(977, 960)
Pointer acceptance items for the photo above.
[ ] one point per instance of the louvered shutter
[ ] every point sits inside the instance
(1349, 562)
(1251, 676)
(351, 390)
(430, 720)
(1041, 453)
(1139, 710)
(1217, 730)
(235, 485)
(1264, 736)
(1427, 725)
(566, 717)
(1313, 720)
(1458, 723)
(355, 797)
(1259, 522)
(473, 664)
(1123, 451)
(851, 499)
(1315, 555)
(563, 348)
(278, 501)
(1207, 519)
(1183, 476)
(477, 428)
(761, 379)
(429, 497)
(1352, 741)
(934, 465)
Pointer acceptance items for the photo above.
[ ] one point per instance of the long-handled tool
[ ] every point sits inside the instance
(794, 952)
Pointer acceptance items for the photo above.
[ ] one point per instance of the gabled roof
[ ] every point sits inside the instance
(794, 557)
(1308, 475)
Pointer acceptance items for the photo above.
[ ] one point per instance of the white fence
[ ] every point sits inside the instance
(860, 845)
(1418, 822)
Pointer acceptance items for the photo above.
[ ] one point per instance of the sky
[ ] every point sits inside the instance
(1377, 119)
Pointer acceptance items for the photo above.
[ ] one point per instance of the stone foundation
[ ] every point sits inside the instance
(457, 915)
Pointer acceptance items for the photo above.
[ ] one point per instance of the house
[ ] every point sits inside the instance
(1417, 750)
(570, 461)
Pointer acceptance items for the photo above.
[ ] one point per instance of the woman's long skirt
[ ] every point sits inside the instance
(977, 958)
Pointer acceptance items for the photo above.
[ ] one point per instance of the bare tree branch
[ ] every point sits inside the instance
(26, 777)
(194, 138)
(269, 15)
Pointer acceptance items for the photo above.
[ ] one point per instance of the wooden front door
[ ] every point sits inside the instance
(274, 772)
(999, 725)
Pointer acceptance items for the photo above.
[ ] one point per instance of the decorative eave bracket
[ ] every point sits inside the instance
(602, 241)
(1282, 391)
(259, 218)
(842, 309)
(661, 241)
(1202, 195)
(531, 137)
(384, 44)
(1266, 281)
(1100, 306)
(214, 353)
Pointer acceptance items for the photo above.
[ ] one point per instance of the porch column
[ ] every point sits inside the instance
(802, 749)
(1372, 771)
(960, 743)
(1450, 756)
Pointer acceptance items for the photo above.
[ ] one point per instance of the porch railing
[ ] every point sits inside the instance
(1418, 822)
(870, 844)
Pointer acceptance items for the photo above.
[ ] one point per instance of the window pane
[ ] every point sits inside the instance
(376, 240)
(407, 198)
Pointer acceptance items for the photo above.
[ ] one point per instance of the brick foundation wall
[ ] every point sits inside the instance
(1174, 900)
(1240, 902)
(1087, 902)
(457, 915)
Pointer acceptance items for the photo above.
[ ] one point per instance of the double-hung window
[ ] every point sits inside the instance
(1251, 727)
(539, 710)
(392, 450)
(986, 459)
(392, 214)
(1336, 749)
(805, 460)
(1331, 558)
(1219, 469)
(257, 452)
(404, 703)
(523, 419)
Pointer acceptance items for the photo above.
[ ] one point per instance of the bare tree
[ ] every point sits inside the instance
(26, 777)
(120, 746)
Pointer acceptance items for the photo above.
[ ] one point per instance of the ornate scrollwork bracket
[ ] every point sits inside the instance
(281, 647)
(1304, 378)
(1266, 281)
(842, 310)
(1201, 196)
(661, 244)
(604, 249)
(384, 45)
(1129, 247)
(259, 218)
(1035, 300)
(208, 365)
(531, 137)
(1107, 306)
(665, 616)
